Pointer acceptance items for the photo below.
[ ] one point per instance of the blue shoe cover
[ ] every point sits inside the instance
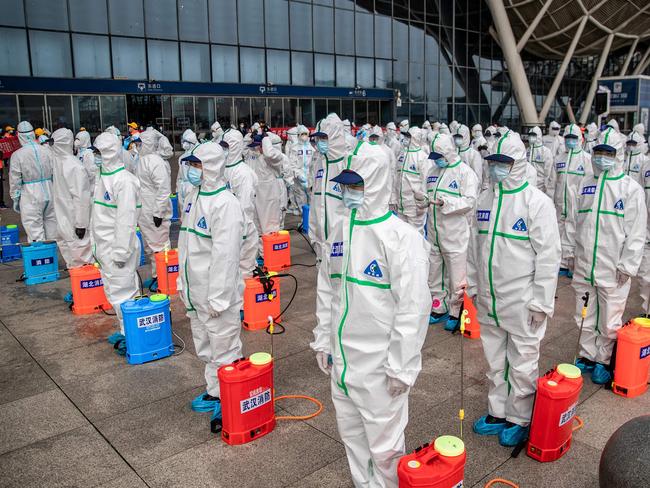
(68, 297)
(150, 281)
(260, 262)
(199, 404)
(601, 375)
(451, 325)
(584, 366)
(513, 435)
(241, 315)
(482, 427)
(564, 272)
(119, 343)
(114, 337)
(437, 320)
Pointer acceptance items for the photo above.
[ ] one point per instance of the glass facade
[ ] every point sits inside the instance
(438, 57)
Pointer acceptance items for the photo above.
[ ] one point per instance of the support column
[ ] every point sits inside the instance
(516, 69)
(629, 57)
(563, 67)
(586, 109)
(642, 63)
(531, 28)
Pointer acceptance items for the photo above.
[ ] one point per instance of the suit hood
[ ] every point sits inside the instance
(63, 143)
(110, 147)
(235, 141)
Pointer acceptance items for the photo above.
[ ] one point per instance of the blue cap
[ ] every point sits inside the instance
(435, 155)
(570, 136)
(604, 148)
(499, 158)
(93, 149)
(224, 144)
(257, 140)
(318, 134)
(348, 177)
(191, 158)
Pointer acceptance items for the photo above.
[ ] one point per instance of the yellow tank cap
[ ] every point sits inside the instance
(640, 321)
(449, 446)
(569, 371)
(283, 232)
(158, 297)
(12, 226)
(551, 383)
(413, 464)
(260, 358)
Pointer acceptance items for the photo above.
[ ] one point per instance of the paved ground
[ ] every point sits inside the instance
(72, 413)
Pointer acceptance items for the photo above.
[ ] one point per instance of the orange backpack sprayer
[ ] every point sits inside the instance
(261, 300)
(441, 464)
(277, 250)
(167, 271)
(87, 290)
(472, 327)
(632, 359)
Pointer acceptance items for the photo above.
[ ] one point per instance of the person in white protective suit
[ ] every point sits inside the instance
(540, 157)
(372, 311)
(211, 286)
(452, 188)
(644, 269)
(513, 263)
(113, 222)
(163, 147)
(490, 137)
(72, 202)
(404, 126)
(30, 186)
(189, 142)
(427, 136)
(478, 139)
(591, 137)
(471, 157)
(553, 140)
(85, 154)
(410, 188)
(634, 158)
(640, 130)
(326, 208)
(270, 201)
(216, 131)
(242, 182)
(350, 139)
(292, 138)
(376, 136)
(569, 170)
(155, 187)
(300, 156)
(605, 233)
(444, 129)
(392, 139)
(453, 126)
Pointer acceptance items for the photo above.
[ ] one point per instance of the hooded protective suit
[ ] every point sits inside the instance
(350, 140)
(242, 182)
(640, 130)
(30, 185)
(300, 155)
(392, 139)
(513, 264)
(114, 219)
(271, 201)
(292, 138)
(605, 233)
(326, 206)
(404, 126)
(553, 140)
(444, 129)
(163, 147)
(183, 185)
(456, 187)
(591, 138)
(540, 157)
(470, 157)
(634, 158)
(411, 182)
(155, 187)
(427, 136)
(372, 317)
(217, 131)
(72, 199)
(569, 170)
(84, 153)
(478, 139)
(210, 282)
(490, 138)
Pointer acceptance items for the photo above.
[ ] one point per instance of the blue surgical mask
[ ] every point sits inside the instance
(352, 198)
(194, 175)
(499, 172)
(442, 163)
(571, 143)
(322, 147)
(458, 141)
(98, 160)
(604, 163)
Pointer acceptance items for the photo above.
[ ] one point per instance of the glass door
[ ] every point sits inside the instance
(87, 114)
(59, 112)
(32, 109)
(113, 111)
(205, 116)
(182, 118)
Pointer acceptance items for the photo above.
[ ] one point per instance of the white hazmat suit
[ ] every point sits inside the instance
(411, 182)
(84, 153)
(540, 157)
(189, 142)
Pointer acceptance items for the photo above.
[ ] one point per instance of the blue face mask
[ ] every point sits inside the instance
(571, 143)
(322, 147)
(499, 172)
(604, 163)
(352, 198)
(442, 163)
(194, 175)
(98, 160)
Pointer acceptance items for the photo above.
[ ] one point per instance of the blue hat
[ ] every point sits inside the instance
(571, 136)
(604, 148)
(500, 158)
(257, 140)
(191, 158)
(224, 144)
(435, 155)
(318, 134)
(348, 177)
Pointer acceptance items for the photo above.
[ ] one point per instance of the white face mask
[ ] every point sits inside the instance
(352, 198)
(186, 146)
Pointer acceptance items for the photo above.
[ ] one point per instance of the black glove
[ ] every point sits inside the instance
(157, 221)
(80, 233)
